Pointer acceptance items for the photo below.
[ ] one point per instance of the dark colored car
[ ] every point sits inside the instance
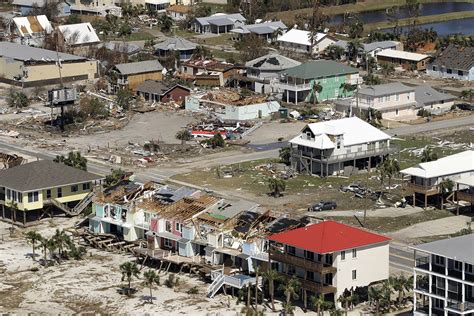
(466, 106)
(323, 206)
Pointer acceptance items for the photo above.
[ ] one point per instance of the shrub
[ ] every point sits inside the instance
(193, 290)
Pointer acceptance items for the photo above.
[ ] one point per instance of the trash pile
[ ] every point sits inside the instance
(233, 97)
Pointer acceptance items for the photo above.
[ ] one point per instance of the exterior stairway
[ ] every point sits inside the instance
(237, 281)
(77, 209)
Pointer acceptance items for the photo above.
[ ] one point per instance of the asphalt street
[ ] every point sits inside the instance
(401, 258)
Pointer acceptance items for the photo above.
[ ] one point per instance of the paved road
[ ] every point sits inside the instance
(401, 258)
(426, 127)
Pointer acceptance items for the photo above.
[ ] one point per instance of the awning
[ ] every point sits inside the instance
(183, 241)
(209, 248)
(200, 242)
(157, 1)
(229, 251)
(243, 256)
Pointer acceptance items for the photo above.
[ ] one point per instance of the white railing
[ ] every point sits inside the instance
(215, 285)
(233, 282)
(294, 87)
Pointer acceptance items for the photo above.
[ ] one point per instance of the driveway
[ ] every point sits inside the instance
(382, 212)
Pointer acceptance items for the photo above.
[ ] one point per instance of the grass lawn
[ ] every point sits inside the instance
(184, 33)
(139, 36)
(219, 54)
(391, 224)
(224, 39)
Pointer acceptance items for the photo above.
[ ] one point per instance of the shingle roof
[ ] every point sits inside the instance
(43, 174)
(461, 58)
(80, 33)
(370, 46)
(175, 43)
(462, 162)
(328, 237)
(260, 28)
(459, 248)
(385, 89)
(425, 95)
(26, 53)
(139, 67)
(272, 62)
(232, 18)
(319, 69)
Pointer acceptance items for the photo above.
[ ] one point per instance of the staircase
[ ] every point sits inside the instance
(77, 209)
(215, 285)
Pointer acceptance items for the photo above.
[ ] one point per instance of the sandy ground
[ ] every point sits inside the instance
(269, 132)
(91, 285)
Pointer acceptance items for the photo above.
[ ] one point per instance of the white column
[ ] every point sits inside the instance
(414, 287)
(430, 305)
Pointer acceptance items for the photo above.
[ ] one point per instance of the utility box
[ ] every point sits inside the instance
(63, 96)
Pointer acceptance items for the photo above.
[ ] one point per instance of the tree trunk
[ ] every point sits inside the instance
(151, 296)
(129, 285)
(346, 306)
(272, 298)
(256, 291)
(318, 310)
(248, 295)
(34, 256)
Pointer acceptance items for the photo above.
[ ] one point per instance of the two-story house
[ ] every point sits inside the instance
(393, 100)
(453, 62)
(339, 146)
(297, 83)
(330, 258)
(444, 277)
(263, 72)
(424, 179)
(130, 75)
(299, 41)
(26, 190)
(173, 45)
(207, 72)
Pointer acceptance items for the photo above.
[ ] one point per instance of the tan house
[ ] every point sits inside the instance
(206, 72)
(130, 75)
(27, 66)
(402, 59)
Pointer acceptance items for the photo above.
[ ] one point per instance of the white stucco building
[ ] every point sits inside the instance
(330, 258)
(299, 41)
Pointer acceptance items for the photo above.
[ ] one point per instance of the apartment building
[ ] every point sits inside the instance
(444, 277)
(424, 179)
(339, 146)
(330, 258)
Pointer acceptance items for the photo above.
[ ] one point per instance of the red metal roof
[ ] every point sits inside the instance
(327, 237)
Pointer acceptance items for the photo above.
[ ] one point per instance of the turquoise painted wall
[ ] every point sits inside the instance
(98, 209)
(331, 88)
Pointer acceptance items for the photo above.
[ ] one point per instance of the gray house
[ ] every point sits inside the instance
(453, 62)
(218, 23)
(432, 100)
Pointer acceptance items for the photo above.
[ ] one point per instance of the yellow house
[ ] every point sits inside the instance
(26, 190)
(130, 75)
(30, 66)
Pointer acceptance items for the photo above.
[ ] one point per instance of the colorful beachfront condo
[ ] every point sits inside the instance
(27, 191)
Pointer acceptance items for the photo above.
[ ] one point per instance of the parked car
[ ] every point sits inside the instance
(466, 106)
(323, 206)
(352, 188)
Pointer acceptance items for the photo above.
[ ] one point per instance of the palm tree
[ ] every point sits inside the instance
(375, 296)
(62, 241)
(428, 154)
(151, 278)
(276, 186)
(271, 276)
(129, 270)
(290, 289)
(467, 94)
(316, 90)
(52, 246)
(73, 159)
(166, 23)
(344, 300)
(401, 284)
(32, 238)
(353, 48)
(285, 155)
(184, 136)
(347, 87)
(334, 52)
(44, 244)
(318, 303)
(445, 186)
(375, 116)
(390, 167)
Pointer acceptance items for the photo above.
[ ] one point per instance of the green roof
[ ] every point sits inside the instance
(319, 69)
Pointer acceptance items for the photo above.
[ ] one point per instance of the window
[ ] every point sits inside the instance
(74, 188)
(86, 186)
(397, 97)
(309, 275)
(408, 96)
(179, 227)
(60, 192)
(35, 196)
(387, 98)
(438, 303)
(469, 268)
(14, 196)
(32, 197)
(354, 253)
(9, 194)
(48, 193)
(168, 243)
(343, 255)
(291, 250)
(354, 274)
(460, 73)
(434, 68)
(380, 99)
(457, 265)
(168, 226)
(291, 270)
(20, 197)
(439, 260)
(449, 71)
(309, 255)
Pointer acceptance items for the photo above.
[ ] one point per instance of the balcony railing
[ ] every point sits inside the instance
(349, 156)
(461, 307)
(419, 188)
(294, 87)
(302, 263)
(313, 286)
(423, 263)
(438, 269)
(465, 196)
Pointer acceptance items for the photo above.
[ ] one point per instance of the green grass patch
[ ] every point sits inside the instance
(224, 39)
(139, 36)
(391, 224)
(184, 33)
(222, 55)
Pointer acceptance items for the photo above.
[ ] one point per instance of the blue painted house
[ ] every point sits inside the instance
(25, 6)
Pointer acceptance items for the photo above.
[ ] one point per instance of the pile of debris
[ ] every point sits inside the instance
(233, 97)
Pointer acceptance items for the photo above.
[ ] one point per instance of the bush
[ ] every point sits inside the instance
(216, 141)
(423, 113)
(172, 281)
(93, 107)
(193, 290)
(17, 99)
